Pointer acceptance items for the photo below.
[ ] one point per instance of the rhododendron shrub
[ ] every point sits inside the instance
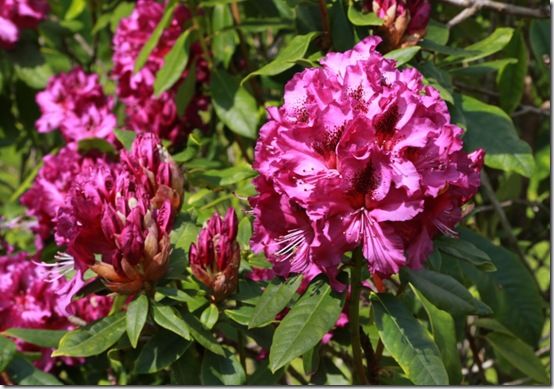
(274, 192)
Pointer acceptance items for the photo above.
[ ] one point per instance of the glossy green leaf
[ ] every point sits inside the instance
(483, 68)
(403, 55)
(437, 32)
(222, 370)
(186, 91)
(233, 104)
(294, 50)
(539, 38)
(490, 128)
(358, 18)
(445, 292)
(519, 354)
(310, 360)
(511, 78)
(201, 334)
(511, 291)
(174, 64)
(137, 312)
(75, 9)
(102, 145)
(209, 316)
(155, 37)
(170, 319)
(241, 315)
(125, 137)
(275, 298)
(160, 351)
(186, 370)
(342, 33)
(488, 46)
(7, 352)
(315, 313)
(444, 333)
(22, 372)
(93, 339)
(466, 251)
(223, 42)
(408, 342)
(39, 337)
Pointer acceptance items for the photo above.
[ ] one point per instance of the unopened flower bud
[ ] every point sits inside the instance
(215, 257)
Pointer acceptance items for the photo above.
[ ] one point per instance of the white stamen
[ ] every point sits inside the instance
(56, 270)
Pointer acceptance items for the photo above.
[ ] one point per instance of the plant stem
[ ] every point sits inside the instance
(354, 316)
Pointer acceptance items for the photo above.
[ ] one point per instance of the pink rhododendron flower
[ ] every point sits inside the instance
(215, 258)
(360, 153)
(117, 218)
(51, 185)
(75, 103)
(29, 299)
(404, 21)
(18, 14)
(145, 112)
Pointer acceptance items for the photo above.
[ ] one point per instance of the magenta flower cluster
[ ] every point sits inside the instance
(359, 154)
(146, 113)
(117, 216)
(16, 15)
(29, 299)
(75, 103)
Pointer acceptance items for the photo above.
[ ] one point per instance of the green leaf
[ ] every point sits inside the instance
(193, 301)
(490, 128)
(223, 42)
(233, 104)
(263, 376)
(342, 33)
(240, 315)
(404, 55)
(75, 9)
(519, 354)
(160, 351)
(445, 292)
(42, 338)
(511, 291)
(539, 38)
(93, 339)
(174, 64)
(209, 316)
(488, 46)
(186, 91)
(483, 68)
(137, 311)
(437, 32)
(22, 372)
(169, 318)
(186, 370)
(444, 332)
(466, 251)
(293, 51)
(408, 342)
(315, 313)
(275, 298)
(222, 369)
(438, 79)
(125, 137)
(102, 145)
(511, 78)
(7, 352)
(310, 360)
(155, 37)
(358, 18)
(201, 334)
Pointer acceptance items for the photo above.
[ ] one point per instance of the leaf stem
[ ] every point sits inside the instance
(354, 316)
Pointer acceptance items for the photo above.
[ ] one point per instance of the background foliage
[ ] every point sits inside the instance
(479, 313)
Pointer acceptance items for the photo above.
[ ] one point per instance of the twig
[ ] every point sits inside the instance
(466, 13)
(475, 354)
(371, 360)
(540, 12)
(326, 42)
(6, 378)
